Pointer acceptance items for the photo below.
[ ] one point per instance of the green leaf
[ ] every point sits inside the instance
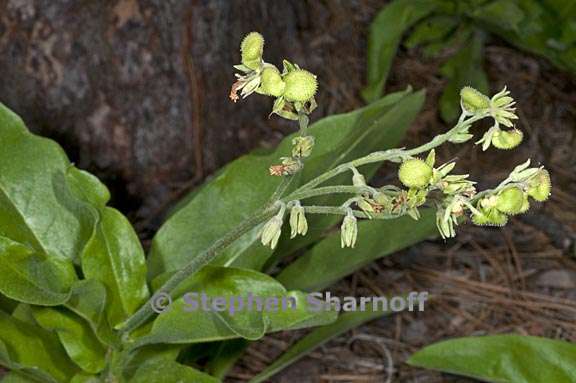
(156, 353)
(315, 339)
(230, 197)
(431, 29)
(88, 300)
(32, 277)
(170, 372)
(226, 357)
(36, 206)
(327, 262)
(384, 37)
(33, 351)
(183, 323)
(463, 69)
(502, 359)
(114, 257)
(76, 336)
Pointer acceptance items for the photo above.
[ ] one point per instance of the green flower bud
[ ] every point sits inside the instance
(489, 217)
(507, 139)
(348, 231)
(298, 223)
(510, 200)
(302, 146)
(271, 82)
(252, 47)
(271, 231)
(415, 173)
(540, 186)
(473, 101)
(301, 85)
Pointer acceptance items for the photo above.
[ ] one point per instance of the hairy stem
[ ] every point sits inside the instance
(145, 312)
(343, 211)
(387, 155)
(340, 189)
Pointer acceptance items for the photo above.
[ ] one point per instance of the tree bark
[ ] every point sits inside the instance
(136, 91)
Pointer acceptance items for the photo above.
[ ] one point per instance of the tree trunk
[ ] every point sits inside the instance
(136, 91)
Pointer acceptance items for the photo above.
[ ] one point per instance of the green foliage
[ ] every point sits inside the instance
(384, 37)
(89, 264)
(545, 28)
(502, 359)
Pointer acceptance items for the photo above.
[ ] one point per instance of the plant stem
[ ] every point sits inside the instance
(145, 312)
(389, 154)
(343, 211)
(299, 195)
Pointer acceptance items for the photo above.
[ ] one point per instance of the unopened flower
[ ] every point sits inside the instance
(298, 223)
(415, 173)
(302, 146)
(539, 186)
(348, 230)
(271, 83)
(301, 85)
(473, 101)
(507, 139)
(272, 229)
(252, 47)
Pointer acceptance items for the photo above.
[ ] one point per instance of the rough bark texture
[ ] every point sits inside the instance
(136, 90)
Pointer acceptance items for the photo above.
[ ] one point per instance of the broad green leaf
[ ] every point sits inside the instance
(226, 357)
(36, 206)
(19, 377)
(76, 336)
(230, 197)
(327, 262)
(170, 372)
(85, 378)
(384, 37)
(156, 353)
(88, 300)
(114, 257)
(190, 320)
(431, 29)
(465, 68)
(32, 277)
(33, 351)
(315, 339)
(502, 359)
(544, 28)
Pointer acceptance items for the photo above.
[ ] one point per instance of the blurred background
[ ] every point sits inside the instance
(136, 91)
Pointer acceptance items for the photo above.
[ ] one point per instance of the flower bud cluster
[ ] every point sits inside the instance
(294, 88)
(501, 108)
